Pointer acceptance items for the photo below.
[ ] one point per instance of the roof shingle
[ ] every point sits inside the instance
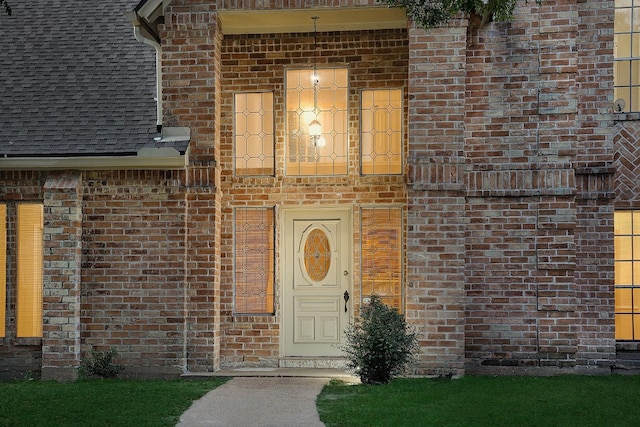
(74, 81)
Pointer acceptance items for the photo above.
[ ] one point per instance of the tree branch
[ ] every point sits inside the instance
(7, 8)
(434, 13)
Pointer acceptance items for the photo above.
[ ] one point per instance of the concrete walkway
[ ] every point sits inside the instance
(262, 397)
(258, 401)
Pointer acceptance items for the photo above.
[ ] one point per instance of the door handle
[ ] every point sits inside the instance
(346, 300)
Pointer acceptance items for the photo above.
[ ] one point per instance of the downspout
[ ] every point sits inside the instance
(142, 37)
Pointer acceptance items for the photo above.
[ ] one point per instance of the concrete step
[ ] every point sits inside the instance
(248, 371)
(313, 362)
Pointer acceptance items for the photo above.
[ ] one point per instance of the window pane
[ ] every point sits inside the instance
(623, 93)
(627, 274)
(381, 131)
(624, 3)
(324, 103)
(381, 249)
(623, 248)
(635, 45)
(622, 23)
(3, 268)
(254, 133)
(636, 300)
(622, 72)
(254, 261)
(626, 51)
(624, 326)
(622, 45)
(624, 301)
(634, 78)
(635, 99)
(636, 327)
(622, 222)
(624, 273)
(29, 270)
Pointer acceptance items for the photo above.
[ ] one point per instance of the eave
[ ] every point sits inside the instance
(150, 13)
(152, 158)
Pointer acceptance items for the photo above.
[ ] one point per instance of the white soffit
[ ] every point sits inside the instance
(299, 20)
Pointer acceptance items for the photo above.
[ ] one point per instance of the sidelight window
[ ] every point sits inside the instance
(381, 249)
(254, 247)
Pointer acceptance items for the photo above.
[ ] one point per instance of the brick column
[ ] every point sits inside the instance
(595, 182)
(192, 40)
(62, 263)
(436, 198)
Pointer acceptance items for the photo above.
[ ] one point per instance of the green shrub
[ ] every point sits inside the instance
(101, 364)
(379, 345)
(434, 13)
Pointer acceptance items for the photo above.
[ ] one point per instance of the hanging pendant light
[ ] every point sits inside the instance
(315, 128)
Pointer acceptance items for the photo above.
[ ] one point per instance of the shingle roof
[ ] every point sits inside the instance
(74, 81)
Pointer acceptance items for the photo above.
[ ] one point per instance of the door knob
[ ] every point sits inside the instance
(346, 300)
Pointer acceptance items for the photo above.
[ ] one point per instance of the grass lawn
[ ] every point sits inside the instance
(98, 402)
(485, 401)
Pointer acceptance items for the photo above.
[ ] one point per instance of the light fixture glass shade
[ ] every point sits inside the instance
(315, 129)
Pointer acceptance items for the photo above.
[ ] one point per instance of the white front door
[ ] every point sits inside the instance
(316, 269)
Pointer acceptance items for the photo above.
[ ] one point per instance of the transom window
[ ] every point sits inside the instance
(317, 122)
(627, 274)
(627, 55)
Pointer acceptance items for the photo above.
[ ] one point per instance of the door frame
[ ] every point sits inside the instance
(307, 212)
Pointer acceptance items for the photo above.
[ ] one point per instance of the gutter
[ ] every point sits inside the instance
(146, 158)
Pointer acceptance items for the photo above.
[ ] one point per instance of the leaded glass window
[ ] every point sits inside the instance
(381, 249)
(381, 132)
(254, 261)
(326, 102)
(254, 134)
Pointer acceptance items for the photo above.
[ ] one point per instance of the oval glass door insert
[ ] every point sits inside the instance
(317, 255)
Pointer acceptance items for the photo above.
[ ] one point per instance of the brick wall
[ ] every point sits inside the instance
(509, 198)
(595, 194)
(133, 269)
(116, 272)
(191, 92)
(539, 158)
(19, 356)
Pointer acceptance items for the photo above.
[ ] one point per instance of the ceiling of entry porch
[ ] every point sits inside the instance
(299, 20)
